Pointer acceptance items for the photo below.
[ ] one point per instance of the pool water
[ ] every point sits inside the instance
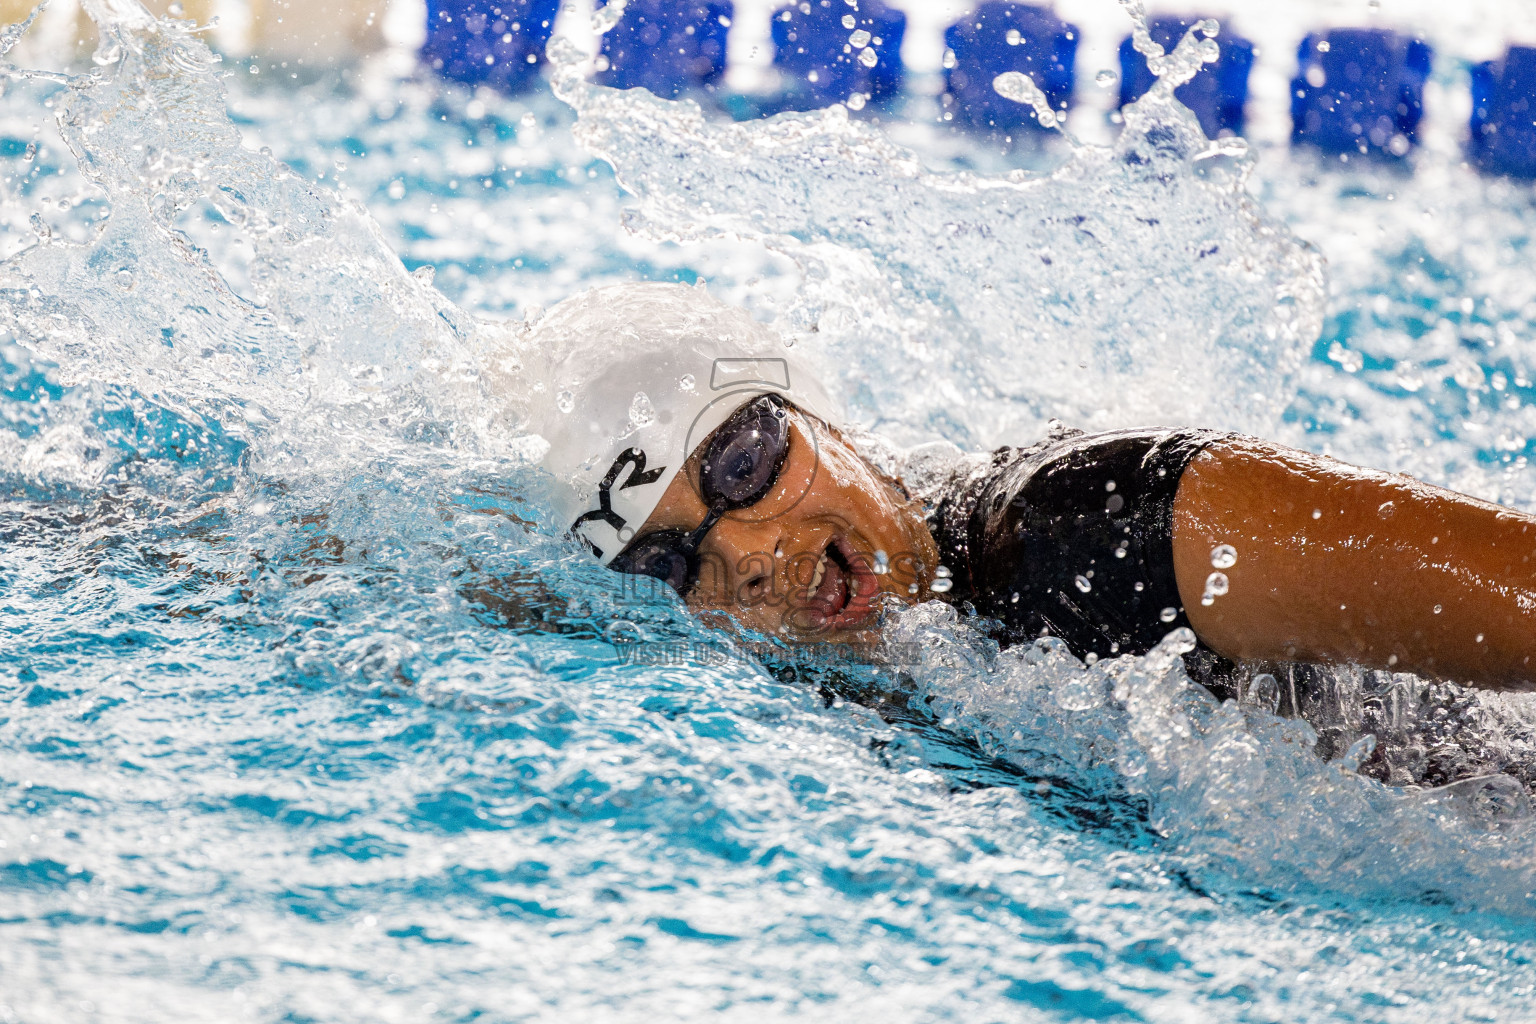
(307, 719)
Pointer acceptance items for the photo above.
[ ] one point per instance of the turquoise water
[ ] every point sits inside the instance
(306, 719)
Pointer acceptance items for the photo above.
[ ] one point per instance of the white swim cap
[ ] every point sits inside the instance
(635, 377)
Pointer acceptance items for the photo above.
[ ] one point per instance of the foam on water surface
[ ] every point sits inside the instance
(306, 719)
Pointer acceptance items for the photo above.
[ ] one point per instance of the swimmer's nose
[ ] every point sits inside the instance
(746, 561)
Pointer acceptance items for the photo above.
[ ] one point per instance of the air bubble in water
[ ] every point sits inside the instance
(1081, 691)
(882, 562)
(1216, 584)
(856, 101)
(31, 152)
(565, 401)
(1083, 584)
(1168, 614)
(124, 279)
(1488, 800)
(641, 412)
(1224, 556)
(1106, 78)
(1358, 752)
(686, 382)
(1263, 693)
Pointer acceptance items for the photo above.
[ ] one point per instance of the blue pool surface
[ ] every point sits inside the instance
(303, 717)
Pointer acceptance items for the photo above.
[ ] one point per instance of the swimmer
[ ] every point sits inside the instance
(688, 446)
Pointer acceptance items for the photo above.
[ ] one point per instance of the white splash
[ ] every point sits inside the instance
(1135, 284)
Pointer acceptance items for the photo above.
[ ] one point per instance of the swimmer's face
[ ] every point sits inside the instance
(805, 562)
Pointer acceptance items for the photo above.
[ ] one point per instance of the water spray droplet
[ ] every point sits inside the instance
(1083, 584)
(1019, 87)
(882, 562)
(1013, 37)
(1106, 78)
(1216, 585)
(1223, 556)
(641, 412)
(607, 16)
(565, 401)
(868, 57)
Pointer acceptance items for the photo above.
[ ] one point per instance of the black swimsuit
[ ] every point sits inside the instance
(1072, 537)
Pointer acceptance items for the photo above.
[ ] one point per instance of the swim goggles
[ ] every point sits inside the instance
(741, 463)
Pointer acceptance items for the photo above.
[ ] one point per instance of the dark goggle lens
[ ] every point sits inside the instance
(660, 555)
(740, 465)
(745, 455)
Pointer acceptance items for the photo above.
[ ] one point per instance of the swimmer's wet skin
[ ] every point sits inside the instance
(1106, 541)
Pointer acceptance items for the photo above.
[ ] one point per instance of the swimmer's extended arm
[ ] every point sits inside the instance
(1337, 564)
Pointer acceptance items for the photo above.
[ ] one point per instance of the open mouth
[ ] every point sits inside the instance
(843, 587)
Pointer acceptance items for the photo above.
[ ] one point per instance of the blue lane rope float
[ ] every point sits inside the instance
(499, 43)
(999, 36)
(1218, 94)
(667, 46)
(1360, 91)
(1356, 92)
(1503, 139)
(828, 52)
